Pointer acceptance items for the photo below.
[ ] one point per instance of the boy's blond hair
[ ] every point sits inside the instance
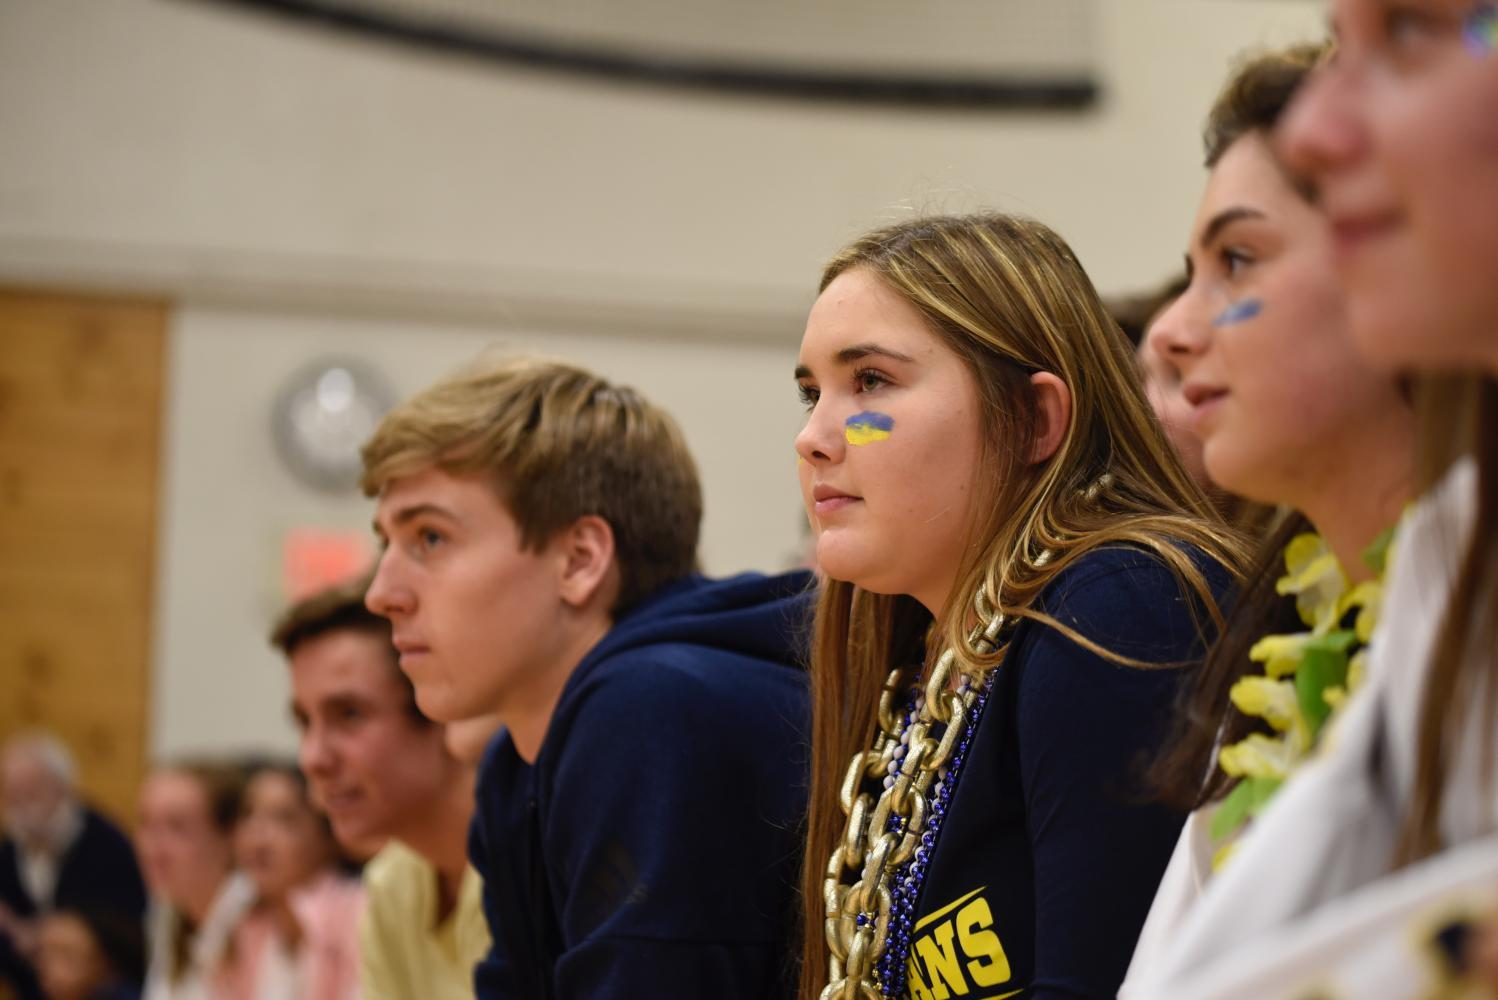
(556, 443)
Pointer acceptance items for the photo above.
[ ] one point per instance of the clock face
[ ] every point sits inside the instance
(322, 418)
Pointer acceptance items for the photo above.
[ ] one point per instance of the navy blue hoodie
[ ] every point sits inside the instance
(1050, 852)
(653, 847)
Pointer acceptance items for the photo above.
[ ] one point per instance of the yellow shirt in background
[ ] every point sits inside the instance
(404, 953)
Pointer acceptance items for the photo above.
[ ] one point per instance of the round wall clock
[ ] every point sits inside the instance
(322, 417)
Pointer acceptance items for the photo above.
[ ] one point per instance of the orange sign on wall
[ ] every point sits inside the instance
(314, 559)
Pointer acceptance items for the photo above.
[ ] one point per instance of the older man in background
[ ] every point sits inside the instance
(58, 852)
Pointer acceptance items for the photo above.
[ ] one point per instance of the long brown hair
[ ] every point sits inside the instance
(1010, 298)
(1457, 416)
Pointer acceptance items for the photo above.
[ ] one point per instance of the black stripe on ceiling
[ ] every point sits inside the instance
(978, 93)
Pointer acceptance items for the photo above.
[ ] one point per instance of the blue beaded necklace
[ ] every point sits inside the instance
(909, 877)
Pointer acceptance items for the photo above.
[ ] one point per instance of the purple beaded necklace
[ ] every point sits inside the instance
(909, 877)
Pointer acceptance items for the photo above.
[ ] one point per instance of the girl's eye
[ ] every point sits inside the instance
(1235, 260)
(808, 394)
(1403, 25)
(868, 380)
(428, 538)
(1408, 29)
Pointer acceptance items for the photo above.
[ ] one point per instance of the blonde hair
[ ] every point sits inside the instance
(557, 443)
(1010, 298)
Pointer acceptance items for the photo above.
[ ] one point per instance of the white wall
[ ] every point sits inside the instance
(201, 147)
(299, 193)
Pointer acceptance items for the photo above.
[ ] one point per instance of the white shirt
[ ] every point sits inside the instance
(1328, 838)
(280, 974)
(40, 864)
(209, 944)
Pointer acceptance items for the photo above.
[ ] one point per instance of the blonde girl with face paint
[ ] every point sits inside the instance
(1018, 568)
(1373, 874)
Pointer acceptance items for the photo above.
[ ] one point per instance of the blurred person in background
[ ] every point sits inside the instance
(1162, 381)
(382, 773)
(1136, 316)
(300, 940)
(58, 851)
(90, 954)
(185, 841)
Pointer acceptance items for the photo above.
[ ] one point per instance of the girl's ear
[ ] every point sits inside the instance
(1053, 400)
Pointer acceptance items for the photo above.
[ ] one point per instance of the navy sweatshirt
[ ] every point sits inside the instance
(1048, 859)
(653, 847)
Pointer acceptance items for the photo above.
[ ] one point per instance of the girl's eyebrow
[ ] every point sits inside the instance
(856, 352)
(1223, 219)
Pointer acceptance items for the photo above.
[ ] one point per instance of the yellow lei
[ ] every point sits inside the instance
(1307, 677)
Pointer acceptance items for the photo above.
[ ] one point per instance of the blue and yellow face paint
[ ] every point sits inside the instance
(1480, 29)
(868, 427)
(1239, 312)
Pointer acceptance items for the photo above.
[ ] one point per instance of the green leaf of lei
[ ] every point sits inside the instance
(1246, 799)
(1376, 555)
(1323, 664)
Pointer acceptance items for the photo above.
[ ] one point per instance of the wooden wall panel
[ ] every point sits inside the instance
(81, 383)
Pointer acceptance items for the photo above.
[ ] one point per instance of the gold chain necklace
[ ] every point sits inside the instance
(881, 834)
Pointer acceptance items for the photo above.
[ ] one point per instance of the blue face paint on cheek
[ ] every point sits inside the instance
(1480, 29)
(1239, 312)
(868, 427)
